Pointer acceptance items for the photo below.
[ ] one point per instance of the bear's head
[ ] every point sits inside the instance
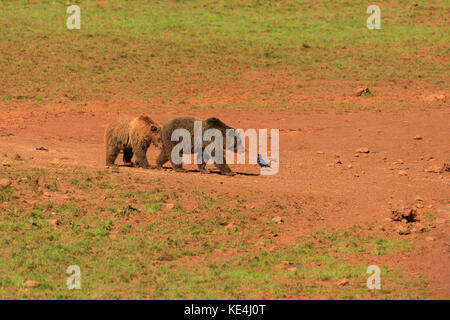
(152, 131)
(155, 135)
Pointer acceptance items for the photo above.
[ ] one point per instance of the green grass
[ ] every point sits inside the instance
(151, 49)
(128, 244)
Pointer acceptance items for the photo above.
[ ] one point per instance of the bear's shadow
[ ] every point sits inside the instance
(215, 172)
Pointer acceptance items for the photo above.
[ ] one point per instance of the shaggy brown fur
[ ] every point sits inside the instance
(188, 124)
(132, 136)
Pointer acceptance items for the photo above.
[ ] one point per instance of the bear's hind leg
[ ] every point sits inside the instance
(111, 155)
(178, 166)
(162, 158)
(225, 169)
(202, 166)
(127, 155)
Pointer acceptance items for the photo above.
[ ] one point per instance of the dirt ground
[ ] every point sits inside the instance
(360, 189)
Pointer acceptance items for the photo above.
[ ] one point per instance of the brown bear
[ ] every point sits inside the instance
(188, 123)
(131, 135)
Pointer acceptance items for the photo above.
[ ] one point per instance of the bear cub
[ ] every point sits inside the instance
(132, 136)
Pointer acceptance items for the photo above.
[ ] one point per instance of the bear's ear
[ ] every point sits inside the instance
(153, 128)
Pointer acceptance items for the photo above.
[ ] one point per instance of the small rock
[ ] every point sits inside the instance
(434, 169)
(403, 230)
(42, 149)
(6, 163)
(435, 97)
(343, 282)
(229, 226)
(337, 161)
(399, 161)
(417, 137)
(53, 222)
(169, 206)
(430, 238)
(330, 164)
(5, 182)
(407, 214)
(293, 269)
(356, 175)
(47, 194)
(363, 150)
(360, 91)
(417, 228)
(31, 283)
(402, 173)
(277, 219)
(349, 166)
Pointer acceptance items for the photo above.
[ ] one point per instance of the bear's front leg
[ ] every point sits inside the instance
(141, 158)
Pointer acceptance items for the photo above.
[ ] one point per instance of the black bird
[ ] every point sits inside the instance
(262, 163)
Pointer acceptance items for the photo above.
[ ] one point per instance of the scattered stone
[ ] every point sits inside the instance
(42, 149)
(403, 230)
(363, 150)
(430, 238)
(349, 166)
(31, 284)
(417, 228)
(361, 91)
(434, 169)
(7, 135)
(169, 206)
(435, 97)
(343, 282)
(293, 269)
(446, 167)
(356, 155)
(320, 152)
(5, 182)
(277, 219)
(53, 222)
(417, 137)
(356, 175)
(408, 214)
(47, 194)
(402, 173)
(6, 163)
(399, 161)
(330, 165)
(338, 161)
(229, 226)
